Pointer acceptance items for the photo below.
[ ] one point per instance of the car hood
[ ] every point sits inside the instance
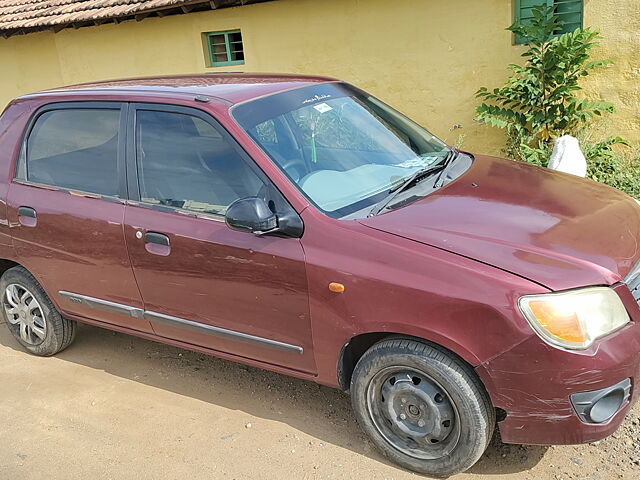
(555, 229)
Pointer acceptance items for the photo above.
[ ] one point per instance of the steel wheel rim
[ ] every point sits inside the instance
(24, 314)
(413, 413)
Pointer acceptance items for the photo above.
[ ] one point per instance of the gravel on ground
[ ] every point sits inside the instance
(117, 407)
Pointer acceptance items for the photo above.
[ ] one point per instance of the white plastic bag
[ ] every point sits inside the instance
(567, 156)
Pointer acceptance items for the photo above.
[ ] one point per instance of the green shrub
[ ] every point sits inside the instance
(612, 168)
(539, 100)
(538, 103)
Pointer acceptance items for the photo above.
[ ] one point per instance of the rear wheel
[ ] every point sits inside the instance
(422, 406)
(31, 316)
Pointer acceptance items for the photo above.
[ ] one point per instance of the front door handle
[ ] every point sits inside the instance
(157, 238)
(27, 216)
(157, 243)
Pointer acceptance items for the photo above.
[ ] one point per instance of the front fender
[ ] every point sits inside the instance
(397, 286)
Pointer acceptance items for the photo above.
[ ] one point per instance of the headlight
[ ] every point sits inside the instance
(574, 319)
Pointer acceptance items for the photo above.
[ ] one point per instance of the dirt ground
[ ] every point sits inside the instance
(117, 407)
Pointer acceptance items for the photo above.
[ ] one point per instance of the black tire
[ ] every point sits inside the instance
(48, 332)
(422, 406)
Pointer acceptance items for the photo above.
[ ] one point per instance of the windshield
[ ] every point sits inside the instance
(342, 148)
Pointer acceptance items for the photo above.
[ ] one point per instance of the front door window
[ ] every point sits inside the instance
(184, 162)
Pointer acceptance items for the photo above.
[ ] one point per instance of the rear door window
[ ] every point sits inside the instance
(74, 149)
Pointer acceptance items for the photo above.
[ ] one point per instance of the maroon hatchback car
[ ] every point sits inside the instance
(301, 225)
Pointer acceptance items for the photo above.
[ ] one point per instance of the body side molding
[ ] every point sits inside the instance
(100, 304)
(221, 332)
(135, 312)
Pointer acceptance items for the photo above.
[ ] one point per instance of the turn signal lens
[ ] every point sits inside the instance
(562, 324)
(576, 318)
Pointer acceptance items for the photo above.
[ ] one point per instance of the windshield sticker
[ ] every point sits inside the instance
(316, 98)
(322, 107)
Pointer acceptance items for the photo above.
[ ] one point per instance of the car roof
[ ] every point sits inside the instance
(229, 87)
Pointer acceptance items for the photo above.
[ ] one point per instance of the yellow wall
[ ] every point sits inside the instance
(426, 57)
(619, 24)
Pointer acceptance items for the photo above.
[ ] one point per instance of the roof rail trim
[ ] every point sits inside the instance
(116, 91)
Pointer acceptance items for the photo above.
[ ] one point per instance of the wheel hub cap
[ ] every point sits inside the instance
(24, 314)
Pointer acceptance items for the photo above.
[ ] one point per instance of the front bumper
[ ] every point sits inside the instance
(533, 383)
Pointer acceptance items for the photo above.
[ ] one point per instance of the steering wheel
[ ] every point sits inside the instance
(295, 167)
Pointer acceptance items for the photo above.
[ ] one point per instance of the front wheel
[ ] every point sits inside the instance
(423, 407)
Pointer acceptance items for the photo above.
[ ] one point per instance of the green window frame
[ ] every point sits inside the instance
(225, 48)
(571, 12)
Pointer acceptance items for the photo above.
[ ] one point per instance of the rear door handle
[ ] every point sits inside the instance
(27, 216)
(157, 243)
(157, 238)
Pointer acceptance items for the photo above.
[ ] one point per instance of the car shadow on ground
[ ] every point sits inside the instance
(321, 412)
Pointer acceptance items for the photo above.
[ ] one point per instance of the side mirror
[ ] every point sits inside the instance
(251, 214)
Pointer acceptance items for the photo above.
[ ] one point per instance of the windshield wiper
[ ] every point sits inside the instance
(448, 161)
(414, 178)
